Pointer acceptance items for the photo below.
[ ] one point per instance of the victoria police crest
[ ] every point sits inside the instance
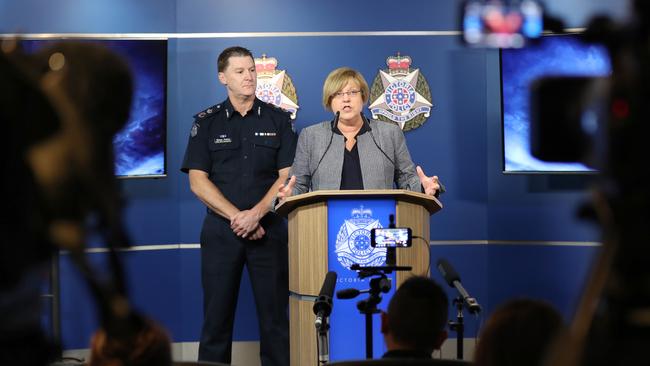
(400, 94)
(353, 240)
(275, 86)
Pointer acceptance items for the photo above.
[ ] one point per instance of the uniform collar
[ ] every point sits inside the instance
(256, 109)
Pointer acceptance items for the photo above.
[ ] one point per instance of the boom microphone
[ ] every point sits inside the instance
(448, 272)
(453, 280)
(323, 305)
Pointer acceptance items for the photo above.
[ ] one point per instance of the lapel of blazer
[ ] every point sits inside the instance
(329, 174)
(366, 148)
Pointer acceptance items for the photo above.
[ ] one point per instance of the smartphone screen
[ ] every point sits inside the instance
(390, 237)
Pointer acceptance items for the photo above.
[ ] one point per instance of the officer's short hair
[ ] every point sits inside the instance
(337, 80)
(225, 55)
(417, 313)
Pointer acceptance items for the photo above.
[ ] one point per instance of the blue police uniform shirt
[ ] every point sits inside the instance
(241, 154)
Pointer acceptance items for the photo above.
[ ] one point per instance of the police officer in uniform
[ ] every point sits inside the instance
(238, 154)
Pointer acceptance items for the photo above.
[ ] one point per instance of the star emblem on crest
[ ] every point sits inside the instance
(400, 94)
(353, 240)
(275, 86)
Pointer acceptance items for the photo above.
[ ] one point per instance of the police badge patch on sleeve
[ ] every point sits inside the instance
(195, 129)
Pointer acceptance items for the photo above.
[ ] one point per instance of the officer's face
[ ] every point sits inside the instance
(348, 101)
(239, 77)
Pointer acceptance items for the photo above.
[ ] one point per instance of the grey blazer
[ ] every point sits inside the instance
(377, 170)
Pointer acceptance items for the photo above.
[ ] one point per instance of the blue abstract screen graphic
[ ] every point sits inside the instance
(140, 146)
(563, 55)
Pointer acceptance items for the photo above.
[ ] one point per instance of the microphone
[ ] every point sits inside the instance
(336, 119)
(348, 293)
(372, 135)
(453, 280)
(334, 123)
(323, 305)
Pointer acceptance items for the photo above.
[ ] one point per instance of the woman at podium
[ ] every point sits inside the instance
(351, 151)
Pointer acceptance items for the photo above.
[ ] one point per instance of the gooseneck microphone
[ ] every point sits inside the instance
(323, 305)
(334, 123)
(453, 280)
(372, 135)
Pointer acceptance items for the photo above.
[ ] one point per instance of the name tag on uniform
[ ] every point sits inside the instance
(222, 139)
(265, 134)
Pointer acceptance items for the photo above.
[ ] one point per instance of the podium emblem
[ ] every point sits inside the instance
(400, 94)
(275, 86)
(353, 240)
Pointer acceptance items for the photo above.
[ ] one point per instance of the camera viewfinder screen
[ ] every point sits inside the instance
(391, 237)
(560, 55)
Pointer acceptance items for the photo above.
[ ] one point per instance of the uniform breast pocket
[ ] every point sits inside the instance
(225, 158)
(266, 152)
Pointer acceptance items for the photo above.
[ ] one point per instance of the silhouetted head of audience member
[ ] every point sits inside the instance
(150, 345)
(518, 333)
(414, 325)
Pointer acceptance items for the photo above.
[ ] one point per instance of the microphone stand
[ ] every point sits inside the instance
(323, 308)
(322, 336)
(459, 327)
(369, 307)
(381, 283)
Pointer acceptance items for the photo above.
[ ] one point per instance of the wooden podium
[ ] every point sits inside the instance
(308, 252)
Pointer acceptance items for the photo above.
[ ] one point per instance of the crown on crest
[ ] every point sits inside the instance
(361, 213)
(398, 64)
(265, 66)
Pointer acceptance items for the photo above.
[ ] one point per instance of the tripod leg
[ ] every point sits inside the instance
(369, 336)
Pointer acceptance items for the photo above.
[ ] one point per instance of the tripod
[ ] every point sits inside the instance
(380, 284)
(369, 306)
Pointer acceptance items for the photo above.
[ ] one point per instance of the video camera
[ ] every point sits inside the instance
(604, 121)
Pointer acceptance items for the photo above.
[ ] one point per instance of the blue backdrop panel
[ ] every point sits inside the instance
(300, 16)
(153, 287)
(470, 261)
(164, 284)
(556, 274)
(349, 222)
(191, 296)
(495, 273)
(78, 16)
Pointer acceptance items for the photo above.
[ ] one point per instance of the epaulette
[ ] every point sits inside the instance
(208, 112)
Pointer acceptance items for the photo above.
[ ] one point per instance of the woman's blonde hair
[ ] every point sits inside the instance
(337, 80)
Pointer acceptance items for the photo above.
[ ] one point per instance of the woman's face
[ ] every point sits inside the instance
(348, 101)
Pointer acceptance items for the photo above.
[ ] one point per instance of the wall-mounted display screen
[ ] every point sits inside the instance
(140, 146)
